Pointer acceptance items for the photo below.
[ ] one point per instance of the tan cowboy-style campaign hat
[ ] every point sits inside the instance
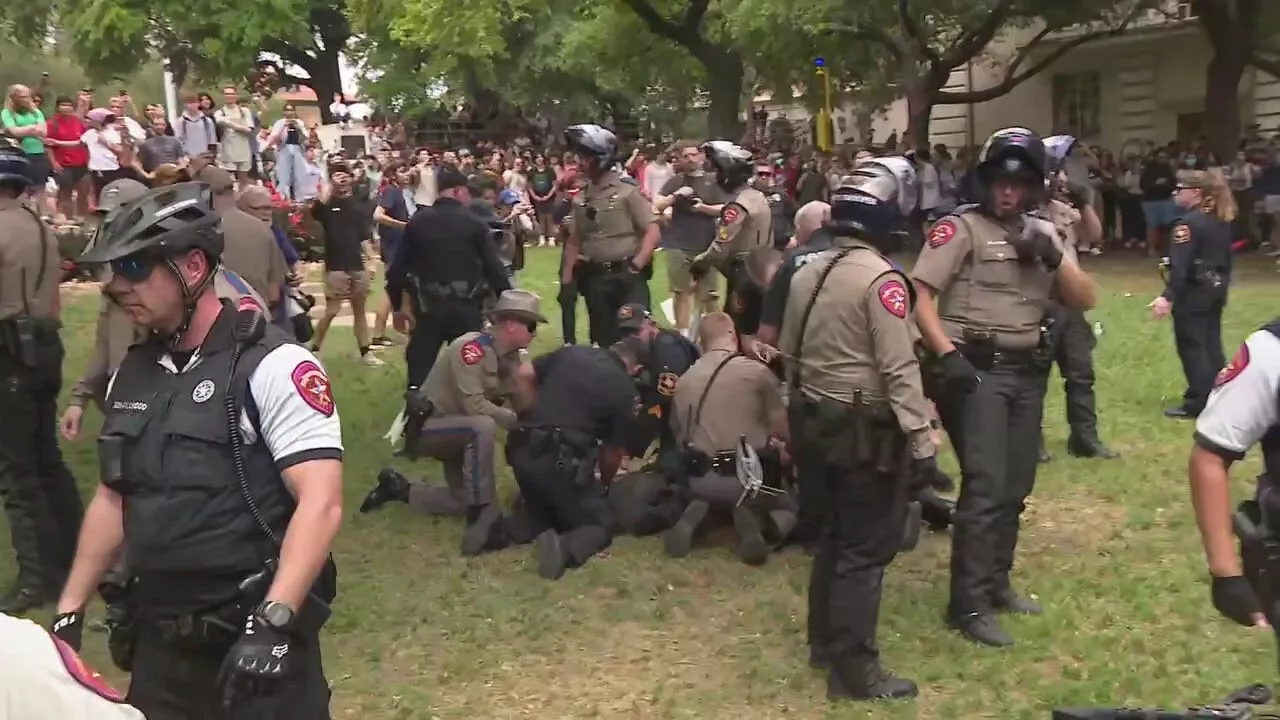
(520, 304)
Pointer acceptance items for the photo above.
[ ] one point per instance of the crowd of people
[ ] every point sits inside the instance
(793, 407)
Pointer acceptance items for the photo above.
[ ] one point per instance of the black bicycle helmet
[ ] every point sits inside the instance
(733, 163)
(1013, 151)
(592, 142)
(169, 221)
(14, 168)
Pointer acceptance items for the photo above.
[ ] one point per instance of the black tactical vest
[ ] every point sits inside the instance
(184, 510)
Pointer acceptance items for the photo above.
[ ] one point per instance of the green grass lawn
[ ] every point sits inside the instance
(1109, 548)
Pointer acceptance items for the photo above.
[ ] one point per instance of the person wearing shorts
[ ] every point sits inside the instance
(22, 120)
(694, 199)
(1158, 183)
(347, 223)
(70, 159)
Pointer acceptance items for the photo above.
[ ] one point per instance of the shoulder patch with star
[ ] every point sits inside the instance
(893, 296)
(942, 233)
(313, 387)
(472, 353)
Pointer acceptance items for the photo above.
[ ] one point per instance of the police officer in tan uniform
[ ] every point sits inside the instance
(614, 231)
(41, 502)
(745, 222)
(44, 679)
(993, 270)
(860, 420)
(726, 396)
(465, 399)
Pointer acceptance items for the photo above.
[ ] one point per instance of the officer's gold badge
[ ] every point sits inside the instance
(667, 384)
(1181, 234)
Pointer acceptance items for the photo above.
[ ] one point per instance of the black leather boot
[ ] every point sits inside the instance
(392, 486)
(862, 678)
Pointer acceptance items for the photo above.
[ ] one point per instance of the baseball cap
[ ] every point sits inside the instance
(219, 180)
(118, 192)
(632, 316)
(101, 115)
(509, 197)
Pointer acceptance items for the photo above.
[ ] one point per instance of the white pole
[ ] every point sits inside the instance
(170, 95)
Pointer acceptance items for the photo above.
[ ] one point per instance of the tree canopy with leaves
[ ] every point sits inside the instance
(215, 38)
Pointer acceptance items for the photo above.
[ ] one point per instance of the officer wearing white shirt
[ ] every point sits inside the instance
(1243, 410)
(228, 528)
(44, 679)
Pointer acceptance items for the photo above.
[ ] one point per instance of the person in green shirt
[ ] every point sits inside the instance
(23, 121)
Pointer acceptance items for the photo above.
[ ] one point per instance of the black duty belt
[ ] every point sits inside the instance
(986, 357)
(609, 266)
(455, 290)
(205, 629)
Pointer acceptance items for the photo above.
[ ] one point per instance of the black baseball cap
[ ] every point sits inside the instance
(632, 316)
(448, 178)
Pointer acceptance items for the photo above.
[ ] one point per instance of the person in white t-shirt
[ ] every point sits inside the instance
(930, 187)
(339, 110)
(105, 144)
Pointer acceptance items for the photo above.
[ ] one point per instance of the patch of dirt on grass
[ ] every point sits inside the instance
(628, 670)
(1073, 523)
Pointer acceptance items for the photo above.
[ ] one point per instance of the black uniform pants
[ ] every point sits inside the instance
(1073, 352)
(605, 292)
(1197, 334)
(861, 533)
(995, 433)
(554, 499)
(444, 322)
(811, 488)
(645, 502)
(41, 502)
(175, 678)
(568, 300)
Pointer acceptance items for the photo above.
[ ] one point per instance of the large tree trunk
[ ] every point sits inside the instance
(725, 72)
(326, 79)
(919, 114)
(1222, 102)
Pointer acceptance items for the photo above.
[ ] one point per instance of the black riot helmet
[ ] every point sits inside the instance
(595, 145)
(15, 169)
(733, 163)
(1013, 152)
(875, 199)
(152, 231)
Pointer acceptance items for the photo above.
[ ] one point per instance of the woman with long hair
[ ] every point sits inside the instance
(1198, 277)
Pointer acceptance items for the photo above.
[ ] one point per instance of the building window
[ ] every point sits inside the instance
(1186, 11)
(1077, 105)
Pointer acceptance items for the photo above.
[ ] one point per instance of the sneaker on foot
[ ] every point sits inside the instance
(371, 360)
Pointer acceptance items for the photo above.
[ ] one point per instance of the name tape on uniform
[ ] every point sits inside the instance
(471, 353)
(1181, 234)
(942, 233)
(893, 296)
(1238, 363)
(313, 387)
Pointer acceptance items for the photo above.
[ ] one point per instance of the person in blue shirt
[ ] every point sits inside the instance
(395, 206)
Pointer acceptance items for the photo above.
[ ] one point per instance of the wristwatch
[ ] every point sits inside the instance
(276, 615)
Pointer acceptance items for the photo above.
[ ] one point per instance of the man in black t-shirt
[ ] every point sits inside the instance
(347, 222)
(695, 201)
(542, 190)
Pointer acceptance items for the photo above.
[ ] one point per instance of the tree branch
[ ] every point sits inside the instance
(911, 30)
(871, 35)
(694, 12)
(972, 41)
(1012, 79)
(661, 26)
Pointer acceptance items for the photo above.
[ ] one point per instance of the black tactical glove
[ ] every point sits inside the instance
(256, 663)
(69, 628)
(959, 375)
(1035, 243)
(1235, 599)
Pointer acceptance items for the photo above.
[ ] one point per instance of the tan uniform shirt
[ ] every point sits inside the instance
(859, 338)
(44, 680)
(739, 403)
(115, 333)
(27, 244)
(970, 262)
(251, 251)
(745, 223)
(470, 378)
(611, 217)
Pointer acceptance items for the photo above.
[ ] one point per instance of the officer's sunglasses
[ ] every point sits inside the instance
(134, 268)
(532, 327)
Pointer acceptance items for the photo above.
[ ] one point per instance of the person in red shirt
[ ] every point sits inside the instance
(69, 159)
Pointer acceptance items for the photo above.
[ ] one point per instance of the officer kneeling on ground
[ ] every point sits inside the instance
(455, 418)
(860, 421)
(993, 270)
(221, 467)
(41, 502)
(580, 406)
(644, 500)
(727, 398)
